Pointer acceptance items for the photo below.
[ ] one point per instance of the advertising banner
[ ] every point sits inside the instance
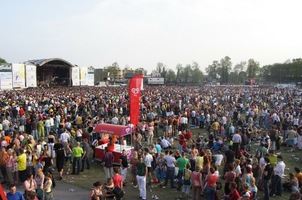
(31, 75)
(83, 77)
(75, 76)
(6, 81)
(135, 87)
(18, 75)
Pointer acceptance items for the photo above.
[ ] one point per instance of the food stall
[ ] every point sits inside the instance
(113, 130)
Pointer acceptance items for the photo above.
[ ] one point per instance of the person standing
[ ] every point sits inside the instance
(117, 178)
(170, 160)
(60, 158)
(210, 188)
(77, 155)
(48, 186)
(197, 183)
(278, 174)
(181, 162)
(107, 161)
(21, 160)
(124, 165)
(267, 174)
(148, 161)
(236, 143)
(85, 157)
(142, 171)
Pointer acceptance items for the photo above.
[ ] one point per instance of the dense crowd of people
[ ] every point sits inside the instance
(42, 128)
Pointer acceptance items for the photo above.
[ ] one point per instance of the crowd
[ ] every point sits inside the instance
(38, 127)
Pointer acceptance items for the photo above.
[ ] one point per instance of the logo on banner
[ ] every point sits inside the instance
(135, 91)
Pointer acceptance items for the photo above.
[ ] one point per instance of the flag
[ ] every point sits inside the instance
(135, 87)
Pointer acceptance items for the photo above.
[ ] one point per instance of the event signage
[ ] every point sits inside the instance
(135, 87)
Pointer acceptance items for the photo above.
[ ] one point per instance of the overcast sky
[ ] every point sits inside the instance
(141, 33)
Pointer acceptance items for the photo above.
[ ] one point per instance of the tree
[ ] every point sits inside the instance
(252, 68)
(240, 67)
(2, 61)
(226, 67)
(197, 75)
(179, 69)
(212, 71)
(113, 71)
(171, 76)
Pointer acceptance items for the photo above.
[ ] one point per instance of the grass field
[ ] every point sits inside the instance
(88, 177)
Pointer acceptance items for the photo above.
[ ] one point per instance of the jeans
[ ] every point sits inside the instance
(266, 189)
(160, 174)
(76, 165)
(170, 175)
(180, 181)
(85, 160)
(277, 186)
(35, 134)
(47, 130)
(210, 193)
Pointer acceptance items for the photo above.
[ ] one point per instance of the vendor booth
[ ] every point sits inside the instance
(114, 131)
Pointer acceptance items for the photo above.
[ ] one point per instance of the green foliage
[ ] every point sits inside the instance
(2, 61)
(287, 72)
(189, 74)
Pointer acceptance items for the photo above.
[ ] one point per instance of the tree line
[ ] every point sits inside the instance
(220, 71)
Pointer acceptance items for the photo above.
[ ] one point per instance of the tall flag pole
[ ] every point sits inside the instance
(135, 87)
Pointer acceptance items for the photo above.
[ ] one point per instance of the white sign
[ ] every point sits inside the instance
(31, 75)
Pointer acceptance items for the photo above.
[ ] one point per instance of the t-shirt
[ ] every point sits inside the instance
(182, 163)
(77, 151)
(21, 162)
(234, 195)
(117, 180)
(16, 196)
(269, 169)
(141, 168)
(124, 161)
(181, 139)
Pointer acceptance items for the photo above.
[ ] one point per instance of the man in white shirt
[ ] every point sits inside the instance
(170, 174)
(148, 161)
(218, 158)
(165, 143)
(65, 138)
(114, 120)
(236, 143)
(278, 174)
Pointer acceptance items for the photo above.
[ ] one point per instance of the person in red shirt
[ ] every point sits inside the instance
(110, 145)
(234, 194)
(117, 178)
(188, 135)
(181, 140)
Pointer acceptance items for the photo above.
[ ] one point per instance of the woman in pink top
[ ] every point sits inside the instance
(9, 167)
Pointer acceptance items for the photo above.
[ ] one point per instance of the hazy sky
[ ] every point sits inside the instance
(141, 33)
